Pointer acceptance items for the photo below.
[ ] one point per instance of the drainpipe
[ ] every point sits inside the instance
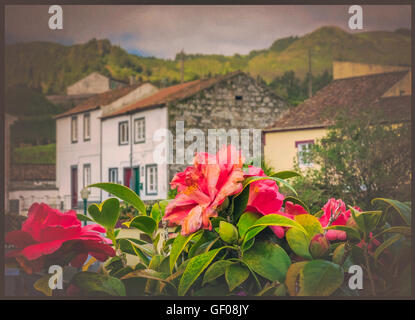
(131, 147)
(100, 157)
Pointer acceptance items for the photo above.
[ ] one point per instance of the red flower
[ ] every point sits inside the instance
(203, 187)
(265, 198)
(335, 211)
(50, 234)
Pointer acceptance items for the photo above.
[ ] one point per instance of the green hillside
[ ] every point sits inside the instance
(51, 67)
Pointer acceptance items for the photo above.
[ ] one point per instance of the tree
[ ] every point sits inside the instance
(361, 157)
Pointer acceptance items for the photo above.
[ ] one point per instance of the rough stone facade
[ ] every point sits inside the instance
(239, 102)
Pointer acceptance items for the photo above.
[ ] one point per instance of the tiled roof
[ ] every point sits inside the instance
(99, 100)
(173, 93)
(352, 94)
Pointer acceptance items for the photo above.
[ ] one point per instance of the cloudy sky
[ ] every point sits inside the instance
(162, 31)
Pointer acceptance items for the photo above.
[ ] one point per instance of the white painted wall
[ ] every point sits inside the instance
(118, 156)
(78, 154)
(28, 197)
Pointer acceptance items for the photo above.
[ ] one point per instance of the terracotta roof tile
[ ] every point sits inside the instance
(173, 93)
(99, 100)
(351, 93)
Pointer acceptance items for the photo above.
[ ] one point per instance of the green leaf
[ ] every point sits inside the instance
(292, 279)
(235, 275)
(366, 221)
(310, 223)
(403, 230)
(82, 217)
(267, 259)
(247, 220)
(386, 245)
(299, 242)
(106, 213)
(286, 174)
(122, 192)
(158, 209)
(216, 270)
(98, 283)
(239, 203)
(179, 244)
(194, 268)
(144, 223)
(401, 208)
(228, 232)
(130, 247)
(270, 220)
(42, 285)
(320, 278)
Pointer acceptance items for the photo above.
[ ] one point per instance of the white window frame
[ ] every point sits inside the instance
(113, 175)
(87, 174)
(139, 130)
(303, 146)
(87, 126)
(123, 134)
(151, 179)
(74, 129)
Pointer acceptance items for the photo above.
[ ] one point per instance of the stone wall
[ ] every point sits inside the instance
(239, 102)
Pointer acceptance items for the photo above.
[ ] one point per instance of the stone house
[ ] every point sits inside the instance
(94, 83)
(355, 86)
(232, 101)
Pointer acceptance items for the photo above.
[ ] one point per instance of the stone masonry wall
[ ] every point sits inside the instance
(218, 107)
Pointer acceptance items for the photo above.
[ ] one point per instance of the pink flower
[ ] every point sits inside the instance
(264, 197)
(203, 187)
(49, 233)
(335, 209)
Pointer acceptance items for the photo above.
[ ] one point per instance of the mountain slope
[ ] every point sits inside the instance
(50, 67)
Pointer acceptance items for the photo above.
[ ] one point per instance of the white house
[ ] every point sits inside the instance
(79, 142)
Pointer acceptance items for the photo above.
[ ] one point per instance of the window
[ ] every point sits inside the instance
(123, 133)
(303, 149)
(87, 174)
(113, 175)
(87, 127)
(151, 179)
(74, 129)
(139, 130)
(238, 97)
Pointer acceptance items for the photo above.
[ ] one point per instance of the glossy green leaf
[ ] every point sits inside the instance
(267, 259)
(216, 270)
(310, 223)
(144, 223)
(299, 242)
(94, 283)
(386, 244)
(366, 221)
(179, 244)
(106, 213)
(286, 174)
(194, 268)
(228, 232)
(239, 203)
(235, 275)
(401, 208)
(292, 279)
(122, 192)
(246, 221)
(320, 278)
(82, 217)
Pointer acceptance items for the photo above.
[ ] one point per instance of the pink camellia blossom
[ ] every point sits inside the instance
(292, 209)
(203, 187)
(264, 197)
(335, 209)
(50, 234)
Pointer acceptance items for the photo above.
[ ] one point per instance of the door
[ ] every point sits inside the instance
(127, 177)
(136, 180)
(74, 186)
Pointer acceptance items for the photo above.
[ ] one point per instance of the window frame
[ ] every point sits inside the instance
(302, 143)
(136, 120)
(120, 124)
(85, 166)
(109, 174)
(74, 119)
(149, 166)
(87, 116)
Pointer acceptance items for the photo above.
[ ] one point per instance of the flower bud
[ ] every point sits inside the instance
(319, 246)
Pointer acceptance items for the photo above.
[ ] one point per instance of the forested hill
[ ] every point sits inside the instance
(51, 67)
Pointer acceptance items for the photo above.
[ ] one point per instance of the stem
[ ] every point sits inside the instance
(372, 284)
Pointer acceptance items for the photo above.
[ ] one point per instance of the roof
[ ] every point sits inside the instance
(352, 94)
(173, 93)
(99, 100)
